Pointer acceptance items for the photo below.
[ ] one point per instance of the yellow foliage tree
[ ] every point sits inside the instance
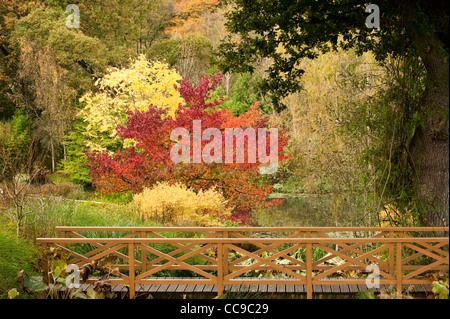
(138, 86)
(178, 205)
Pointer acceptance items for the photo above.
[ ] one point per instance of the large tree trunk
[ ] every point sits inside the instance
(430, 144)
(429, 147)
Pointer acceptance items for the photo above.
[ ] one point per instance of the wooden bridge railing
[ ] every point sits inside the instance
(233, 255)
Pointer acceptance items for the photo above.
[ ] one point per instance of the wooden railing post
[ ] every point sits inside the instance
(131, 270)
(309, 271)
(398, 267)
(143, 254)
(391, 255)
(309, 286)
(220, 267)
(45, 261)
(225, 255)
(62, 234)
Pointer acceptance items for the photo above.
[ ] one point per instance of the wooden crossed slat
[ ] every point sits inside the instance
(101, 247)
(264, 261)
(90, 259)
(418, 254)
(269, 248)
(422, 270)
(439, 259)
(352, 260)
(173, 261)
(182, 248)
(427, 252)
(72, 253)
(426, 245)
(351, 248)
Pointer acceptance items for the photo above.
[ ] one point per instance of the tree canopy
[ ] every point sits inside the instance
(285, 32)
(288, 31)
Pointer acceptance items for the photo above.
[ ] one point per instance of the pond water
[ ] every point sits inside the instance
(314, 211)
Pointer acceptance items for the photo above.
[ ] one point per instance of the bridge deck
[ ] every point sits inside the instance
(164, 291)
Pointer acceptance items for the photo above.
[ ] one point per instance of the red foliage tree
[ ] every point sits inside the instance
(149, 161)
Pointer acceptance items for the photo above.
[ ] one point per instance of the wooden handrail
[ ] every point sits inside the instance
(218, 269)
(241, 240)
(252, 229)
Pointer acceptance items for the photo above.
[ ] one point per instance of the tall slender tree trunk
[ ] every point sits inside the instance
(53, 154)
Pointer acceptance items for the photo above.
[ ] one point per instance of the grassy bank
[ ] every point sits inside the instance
(42, 215)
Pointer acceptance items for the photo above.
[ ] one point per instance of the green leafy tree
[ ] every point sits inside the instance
(55, 64)
(82, 55)
(20, 165)
(46, 67)
(74, 165)
(189, 54)
(15, 135)
(288, 31)
(126, 27)
(239, 91)
(46, 94)
(10, 12)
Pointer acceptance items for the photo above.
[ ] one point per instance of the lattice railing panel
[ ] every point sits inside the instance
(226, 256)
